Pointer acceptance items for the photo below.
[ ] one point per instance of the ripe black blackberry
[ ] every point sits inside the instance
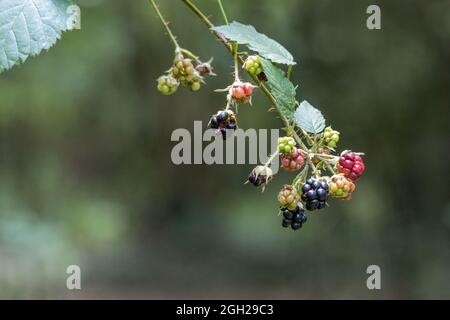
(315, 194)
(293, 218)
(224, 121)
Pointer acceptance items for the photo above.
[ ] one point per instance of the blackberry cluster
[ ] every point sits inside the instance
(315, 194)
(295, 218)
(223, 121)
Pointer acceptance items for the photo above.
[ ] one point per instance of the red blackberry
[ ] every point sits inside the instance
(293, 161)
(350, 165)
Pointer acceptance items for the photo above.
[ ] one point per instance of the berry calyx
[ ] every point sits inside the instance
(205, 68)
(260, 176)
(286, 145)
(241, 92)
(315, 194)
(341, 187)
(330, 137)
(167, 84)
(293, 218)
(288, 197)
(292, 161)
(351, 165)
(253, 65)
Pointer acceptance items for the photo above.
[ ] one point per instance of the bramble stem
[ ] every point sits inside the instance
(166, 25)
(236, 63)
(289, 72)
(219, 2)
(200, 14)
(271, 158)
(190, 54)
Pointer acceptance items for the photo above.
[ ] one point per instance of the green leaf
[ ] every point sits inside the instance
(281, 88)
(266, 47)
(29, 26)
(309, 118)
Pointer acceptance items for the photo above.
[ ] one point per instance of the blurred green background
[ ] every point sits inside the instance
(86, 176)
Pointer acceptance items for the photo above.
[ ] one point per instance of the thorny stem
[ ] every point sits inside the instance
(166, 25)
(269, 161)
(191, 55)
(329, 167)
(200, 14)
(236, 63)
(301, 176)
(289, 72)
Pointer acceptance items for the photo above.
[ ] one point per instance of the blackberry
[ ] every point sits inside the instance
(260, 176)
(222, 116)
(214, 123)
(292, 161)
(224, 121)
(351, 165)
(288, 197)
(241, 92)
(167, 84)
(286, 145)
(341, 187)
(293, 218)
(330, 137)
(183, 70)
(253, 65)
(315, 194)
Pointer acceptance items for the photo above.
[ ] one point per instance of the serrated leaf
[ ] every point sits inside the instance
(309, 118)
(29, 26)
(265, 46)
(281, 88)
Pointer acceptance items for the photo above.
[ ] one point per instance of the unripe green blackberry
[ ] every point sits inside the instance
(195, 86)
(330, 137)
(288, 197)
(286, 145)
(253, 65)
(341, 187)
(182, 68)
(167, 84)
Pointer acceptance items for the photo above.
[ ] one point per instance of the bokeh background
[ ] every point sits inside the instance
(86, 176)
